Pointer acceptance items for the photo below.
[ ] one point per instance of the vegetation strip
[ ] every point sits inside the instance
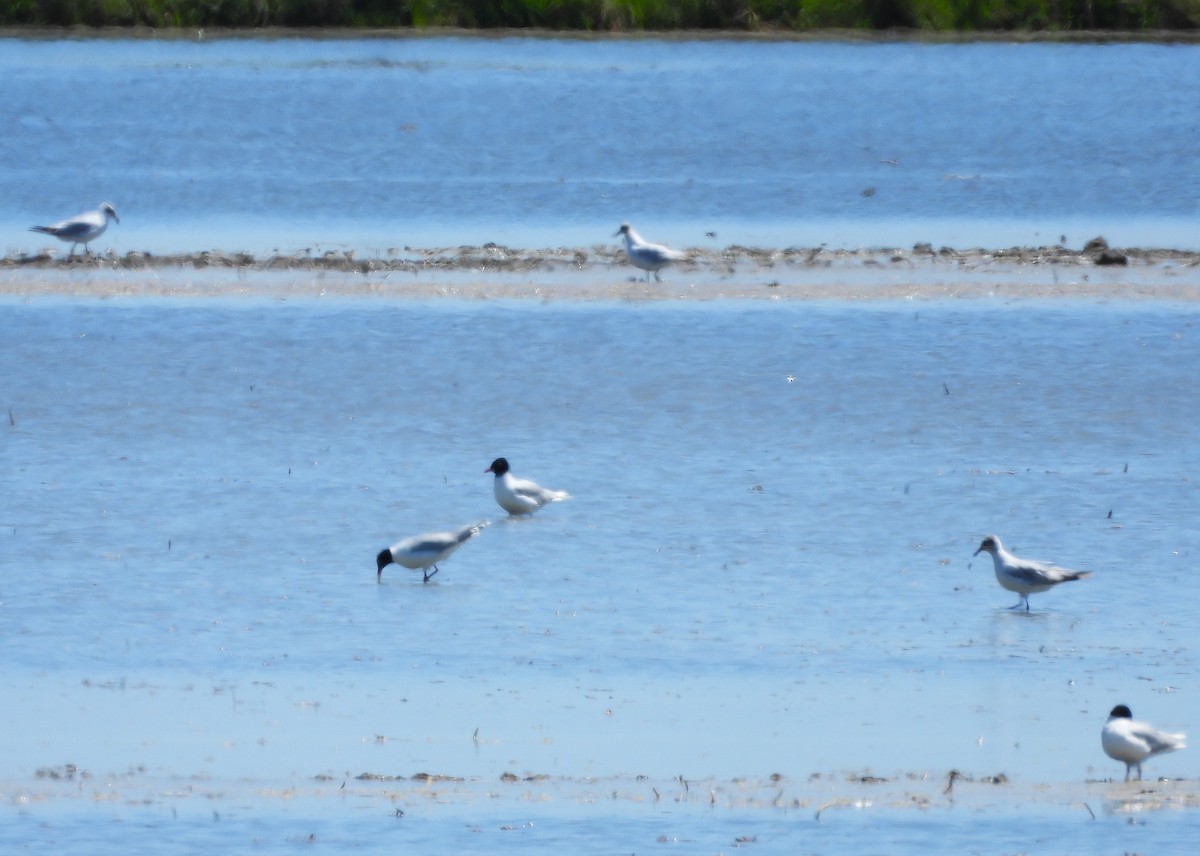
(967, 16)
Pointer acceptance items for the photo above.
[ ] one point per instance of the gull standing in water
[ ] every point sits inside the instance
(1125, 739)
(649, 257)
(82, 228)
(1025, 576)
(422, 552)
(520, 496)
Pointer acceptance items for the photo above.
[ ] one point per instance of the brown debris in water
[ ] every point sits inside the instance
(435, 777)
(64, 772)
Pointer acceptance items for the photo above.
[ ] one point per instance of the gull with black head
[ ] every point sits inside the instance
(646, 256)
(520, 496)
(1131, 742)
(422, 552)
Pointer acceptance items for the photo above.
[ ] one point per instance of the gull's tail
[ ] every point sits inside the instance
(468, 532)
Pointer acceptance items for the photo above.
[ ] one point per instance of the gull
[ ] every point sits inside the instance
(1025, 576)
(520, 496)
(1126, 739)
(649, 257)
(422, 552)
(82, 228)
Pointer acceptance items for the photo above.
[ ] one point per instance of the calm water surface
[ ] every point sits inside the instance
(765, 569)
(762, 590)
(378, 144)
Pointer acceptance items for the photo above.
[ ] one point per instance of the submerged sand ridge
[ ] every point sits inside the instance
(602, 272)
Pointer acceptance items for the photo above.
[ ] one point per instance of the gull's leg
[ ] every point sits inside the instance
(428, 575)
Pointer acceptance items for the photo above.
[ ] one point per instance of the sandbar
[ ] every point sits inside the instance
(600, 273)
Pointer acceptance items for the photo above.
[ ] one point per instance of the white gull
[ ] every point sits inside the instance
(1025, 576)
(422, 552)
(1125, 739)
(82, 228)
(648, 257)
(520, 496)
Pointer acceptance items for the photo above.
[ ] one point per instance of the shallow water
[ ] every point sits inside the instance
(379, 144)
(765, 570)
(600, 828)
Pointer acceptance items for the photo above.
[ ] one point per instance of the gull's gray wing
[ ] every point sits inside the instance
(1043, 573)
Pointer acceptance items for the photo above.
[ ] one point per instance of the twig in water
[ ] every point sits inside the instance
(1089, 808)
(822, 808)
(954, 774)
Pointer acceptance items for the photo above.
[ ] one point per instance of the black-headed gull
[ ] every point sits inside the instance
(648, 257)
(1125, 739)
(1025, 576)
(520, 496)
(81, 228)
(422, 552)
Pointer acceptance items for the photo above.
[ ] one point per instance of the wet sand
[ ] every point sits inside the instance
(602, 273)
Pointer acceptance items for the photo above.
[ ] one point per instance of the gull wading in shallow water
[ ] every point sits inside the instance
(648, 257)
(422, 552)
(1125, 739)
(1025, 576)
(520, 496)
(81, 228)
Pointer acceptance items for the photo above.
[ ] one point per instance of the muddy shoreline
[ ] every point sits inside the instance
(815, 797)
(602, 272)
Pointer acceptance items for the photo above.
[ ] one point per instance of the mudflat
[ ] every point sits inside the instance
(602, 273)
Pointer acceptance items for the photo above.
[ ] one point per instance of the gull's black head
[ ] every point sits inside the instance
(382, 561)
(1121, 712)
(499, 466)
(624, 230)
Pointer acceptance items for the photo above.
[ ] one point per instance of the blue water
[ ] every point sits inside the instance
(763, 588)
(379, 144)
(693, 832)
(765, 569)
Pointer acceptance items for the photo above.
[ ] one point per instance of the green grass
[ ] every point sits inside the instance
(617, 15)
